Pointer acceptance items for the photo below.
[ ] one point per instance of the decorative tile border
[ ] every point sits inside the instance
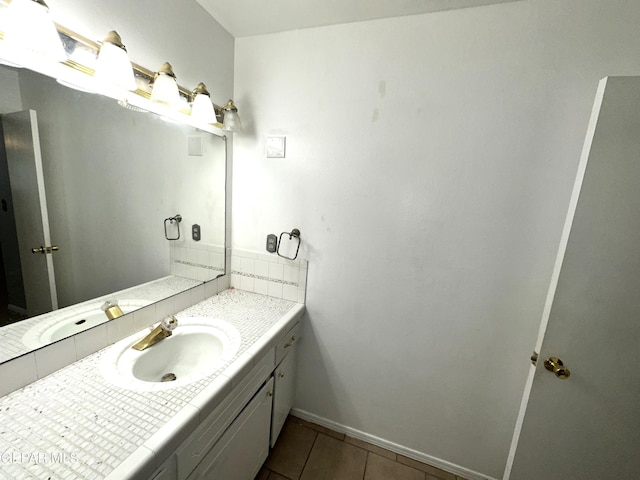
(200, 265)
(197, 260)
(269, 274)
(250, 275)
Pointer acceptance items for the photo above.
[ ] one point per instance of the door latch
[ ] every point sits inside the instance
(45, 250)
(534, 358)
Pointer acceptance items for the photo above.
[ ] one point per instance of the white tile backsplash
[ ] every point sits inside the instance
(290, 292)
(90, 341)
(261, 286)
(54, 357)
(262, 269)
(274, 289)
(269, 274)
(196, 260)
(276, 271)
(17, 373)
(247, 283)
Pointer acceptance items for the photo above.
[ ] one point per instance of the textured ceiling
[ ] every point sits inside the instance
(254, 17)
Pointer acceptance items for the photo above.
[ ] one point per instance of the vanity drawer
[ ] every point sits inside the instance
(287, 342)
(195, 448)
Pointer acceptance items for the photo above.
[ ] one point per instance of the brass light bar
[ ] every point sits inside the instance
(72, 41)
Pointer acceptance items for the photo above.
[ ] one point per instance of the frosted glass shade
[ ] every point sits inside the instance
(202, 109)
(113, 68)
(231, 121)
(165, 91)
(30, 36)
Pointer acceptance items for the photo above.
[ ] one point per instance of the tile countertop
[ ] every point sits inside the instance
(75, 424)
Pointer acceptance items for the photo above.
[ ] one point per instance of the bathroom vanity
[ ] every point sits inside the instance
(233, 441)
(77, 424)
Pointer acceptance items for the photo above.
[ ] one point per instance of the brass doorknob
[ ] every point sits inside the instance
(555, 365)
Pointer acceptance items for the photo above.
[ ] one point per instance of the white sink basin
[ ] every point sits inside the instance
(71, 321)
(198, 347)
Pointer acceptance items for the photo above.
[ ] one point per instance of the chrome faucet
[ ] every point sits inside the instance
(162, 331)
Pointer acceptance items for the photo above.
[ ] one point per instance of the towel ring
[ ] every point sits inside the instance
(177, 219)
(295, 233)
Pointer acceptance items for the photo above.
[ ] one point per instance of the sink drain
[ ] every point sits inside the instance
(168, 377)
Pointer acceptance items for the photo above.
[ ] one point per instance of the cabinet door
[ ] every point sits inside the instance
(284, 390)
(244, 447)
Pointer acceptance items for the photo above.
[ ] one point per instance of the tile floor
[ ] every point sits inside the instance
(306, 451)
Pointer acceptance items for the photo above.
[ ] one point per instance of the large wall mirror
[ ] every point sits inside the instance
(104, 184)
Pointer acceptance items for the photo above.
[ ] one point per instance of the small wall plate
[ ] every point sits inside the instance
(272, 243)
(276, 147)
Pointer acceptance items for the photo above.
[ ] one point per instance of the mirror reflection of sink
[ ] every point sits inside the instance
(67, 323)
(197, 348)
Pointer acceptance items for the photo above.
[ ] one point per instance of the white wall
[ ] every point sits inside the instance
(10, 92)
(429, 165)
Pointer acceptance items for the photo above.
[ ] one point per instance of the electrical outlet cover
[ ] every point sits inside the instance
(272, 243)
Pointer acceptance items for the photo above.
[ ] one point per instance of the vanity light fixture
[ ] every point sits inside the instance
(201, 106)
(113, 67)
(30, 36)
(165, 88)
(231, 121)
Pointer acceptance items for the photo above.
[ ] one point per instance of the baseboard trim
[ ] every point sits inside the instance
(394, 447)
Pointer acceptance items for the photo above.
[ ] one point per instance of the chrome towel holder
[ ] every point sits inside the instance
(177, 219)
(295, 233)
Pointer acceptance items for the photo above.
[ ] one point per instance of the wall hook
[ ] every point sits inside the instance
(295, 233)
(177, 219)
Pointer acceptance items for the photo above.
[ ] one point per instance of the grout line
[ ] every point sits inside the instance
(366, 464)
(310, 450)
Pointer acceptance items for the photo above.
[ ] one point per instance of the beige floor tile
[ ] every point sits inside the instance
(316, 427)
(263, 474)
(383, 452)
(276, 476)
(381, 468)
(291, 450)
(332, 459)
(433, 471)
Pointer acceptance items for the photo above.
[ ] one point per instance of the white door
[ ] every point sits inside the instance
(24, 159)
(587, 426)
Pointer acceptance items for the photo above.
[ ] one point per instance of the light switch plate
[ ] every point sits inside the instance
(276, 147)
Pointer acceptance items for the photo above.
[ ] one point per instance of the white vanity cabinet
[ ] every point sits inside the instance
(285, 381)
(233, 441)
(244, 447)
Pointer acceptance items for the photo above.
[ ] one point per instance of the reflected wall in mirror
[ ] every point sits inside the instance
(109, 178)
